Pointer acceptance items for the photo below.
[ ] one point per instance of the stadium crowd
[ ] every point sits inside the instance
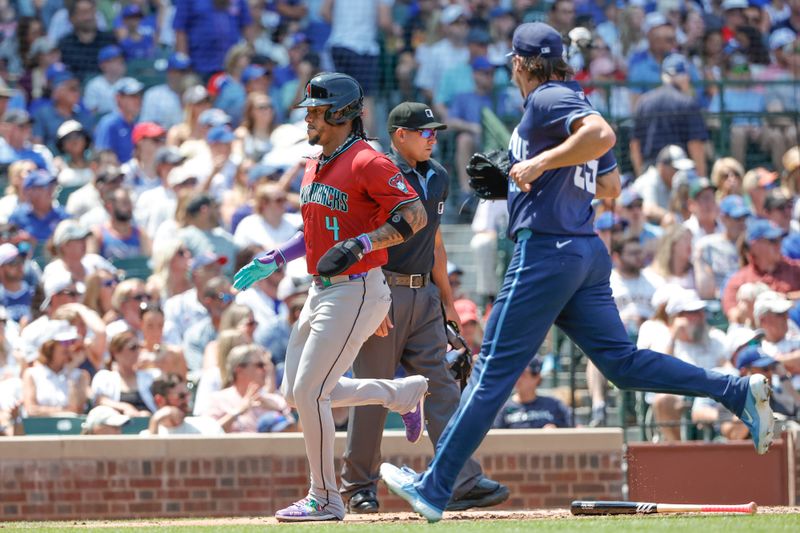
(150, 148)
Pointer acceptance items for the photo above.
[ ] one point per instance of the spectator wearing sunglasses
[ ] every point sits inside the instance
(270, 224)
(215, 297)
(125, 301)
(172, 417)
(100, 287)
(125, 388)
(16, 294)
(250, 403)
(68, 246)
(55, 385)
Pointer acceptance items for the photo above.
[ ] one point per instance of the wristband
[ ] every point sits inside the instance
(366, 243)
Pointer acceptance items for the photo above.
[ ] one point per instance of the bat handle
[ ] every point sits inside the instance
(749, 508)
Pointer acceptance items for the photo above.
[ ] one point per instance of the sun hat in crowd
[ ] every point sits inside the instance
(58, 330)
(69, 230)
(8, 252)
(770, 302)
(684, 301)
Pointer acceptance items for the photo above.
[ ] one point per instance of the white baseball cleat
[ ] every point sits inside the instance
(757, 414)
(401, 482)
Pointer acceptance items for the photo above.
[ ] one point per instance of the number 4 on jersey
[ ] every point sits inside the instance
(332, 224)
(586, 176)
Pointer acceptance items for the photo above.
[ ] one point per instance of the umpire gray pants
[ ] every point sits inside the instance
(418, 342)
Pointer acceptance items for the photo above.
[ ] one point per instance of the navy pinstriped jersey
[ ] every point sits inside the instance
(559, 202)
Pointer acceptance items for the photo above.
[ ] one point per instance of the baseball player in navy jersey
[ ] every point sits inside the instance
(355, 204)
(559, 274)
(417, 275)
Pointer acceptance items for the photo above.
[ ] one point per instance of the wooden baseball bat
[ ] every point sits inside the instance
(579, 507)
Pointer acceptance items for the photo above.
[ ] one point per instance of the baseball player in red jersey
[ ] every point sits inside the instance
(355, 204)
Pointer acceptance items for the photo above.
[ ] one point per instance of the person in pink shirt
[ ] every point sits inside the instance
(250, 402)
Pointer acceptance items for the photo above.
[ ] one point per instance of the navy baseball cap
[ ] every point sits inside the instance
(753, 357)
(109, 52)
(762, 229)
(132, 10)
(178, 61)
(481, 63)
(219, 134)
(38, 178)
(536, 39)
(733, 206)
(535, 365)
(129, 87)
(675, 64)
(58, 73)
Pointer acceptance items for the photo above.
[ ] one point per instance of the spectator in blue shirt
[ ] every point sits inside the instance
(162, 103)
(65, 95)
(748, 104)
(645, 65)
(464, 115)
(38, 216)
(233, 95)
(114, 130)
(16, 294)
(16, 141)
(528, 410)
(139, 39)
(207, 29)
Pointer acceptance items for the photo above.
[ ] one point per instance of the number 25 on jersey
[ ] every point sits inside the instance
(586, 176)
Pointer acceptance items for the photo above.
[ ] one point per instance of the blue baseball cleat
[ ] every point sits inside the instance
(401, 482)
(757, 414)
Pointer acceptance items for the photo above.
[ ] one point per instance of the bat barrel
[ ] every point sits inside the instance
(619, 507)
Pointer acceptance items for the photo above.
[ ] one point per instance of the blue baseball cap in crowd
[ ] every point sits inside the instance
(675, 64)
(213, 117)
(608, 220)
(298, 38)
(790, 246)
(108, 53)
(58, 73)
(760, 228)
(753, 357)
(500, 11)
(536, 39)
(178, 61)
(252, 72)
(132, 10)
(481, 63)
(261, 170)
(219, 134)
(734, 206)
(535, 366)
(38, 178)
(128, 86)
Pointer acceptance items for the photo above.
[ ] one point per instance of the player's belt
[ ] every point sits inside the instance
(323, 281)
(415, 281)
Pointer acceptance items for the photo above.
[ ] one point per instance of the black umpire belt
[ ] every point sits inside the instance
(415, 281)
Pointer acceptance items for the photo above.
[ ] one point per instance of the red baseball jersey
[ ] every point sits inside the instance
(353, 192)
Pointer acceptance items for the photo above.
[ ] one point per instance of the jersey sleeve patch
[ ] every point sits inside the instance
(398, 183)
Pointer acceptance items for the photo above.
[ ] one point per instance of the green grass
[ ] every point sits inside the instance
(707, 524)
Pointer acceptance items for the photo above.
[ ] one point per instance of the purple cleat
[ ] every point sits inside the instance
(305, 510)
(415, 421)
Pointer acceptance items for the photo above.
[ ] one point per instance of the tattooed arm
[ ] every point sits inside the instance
(386, 236)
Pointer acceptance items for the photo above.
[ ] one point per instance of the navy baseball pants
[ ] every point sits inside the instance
(561, 280)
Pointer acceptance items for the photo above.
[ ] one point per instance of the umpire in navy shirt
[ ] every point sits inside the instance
(417, 275)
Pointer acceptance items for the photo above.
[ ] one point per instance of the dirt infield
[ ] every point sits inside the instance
(544, 514)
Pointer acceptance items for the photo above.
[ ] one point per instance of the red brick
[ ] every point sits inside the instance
(581, 489)
(255, 507)
(543, 489)
(13, 497)
(65, 496)
(557, 501)
(119, 495)
(200, 482)
(259, 493)
(561, 476)
(225, 493)
(587, 476)
(258, 481)
(38, 511)
(145, 507)
(199, 506)
(91, 483)
(609, 476)
(145, 483)
(172, 494)
(94, 508)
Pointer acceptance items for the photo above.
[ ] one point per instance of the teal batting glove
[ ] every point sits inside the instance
(259, 268)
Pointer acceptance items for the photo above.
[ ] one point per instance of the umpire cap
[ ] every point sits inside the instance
(340, 91)
(413, 116)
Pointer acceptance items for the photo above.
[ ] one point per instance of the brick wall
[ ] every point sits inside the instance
(116, 477)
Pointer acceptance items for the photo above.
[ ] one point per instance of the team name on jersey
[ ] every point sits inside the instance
(518, 146)
(330, 197)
